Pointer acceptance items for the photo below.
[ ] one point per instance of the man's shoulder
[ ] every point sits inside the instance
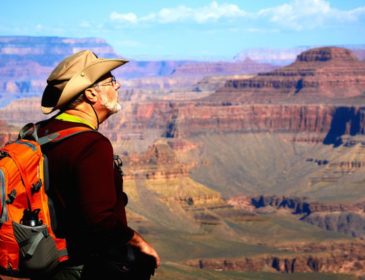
(82, 138)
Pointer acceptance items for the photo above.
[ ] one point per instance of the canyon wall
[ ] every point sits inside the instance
(335, 258)
(26, 62)
(199, 69)
(322, 72)
(182, 119)
(346, 218)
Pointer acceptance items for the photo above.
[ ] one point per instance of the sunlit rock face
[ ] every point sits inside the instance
(328, 72)
(334, 258)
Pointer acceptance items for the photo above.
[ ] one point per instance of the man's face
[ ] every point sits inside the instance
(108, 93)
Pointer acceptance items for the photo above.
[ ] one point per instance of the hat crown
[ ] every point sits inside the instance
(72, 76)
(71, 66)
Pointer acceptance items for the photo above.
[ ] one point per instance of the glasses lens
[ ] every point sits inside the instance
(112, 83)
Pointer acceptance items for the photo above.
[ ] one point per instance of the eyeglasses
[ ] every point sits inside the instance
(112, 82)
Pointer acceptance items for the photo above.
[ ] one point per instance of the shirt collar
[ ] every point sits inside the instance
(75, 119)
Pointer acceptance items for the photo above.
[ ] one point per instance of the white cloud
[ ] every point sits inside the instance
(294, 14)
(304, 14)
(212, 12)
(128, 17)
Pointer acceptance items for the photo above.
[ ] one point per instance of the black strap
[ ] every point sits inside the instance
(4, 210)
(29, 131)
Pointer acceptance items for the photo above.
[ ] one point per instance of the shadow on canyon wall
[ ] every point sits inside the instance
(345, 120)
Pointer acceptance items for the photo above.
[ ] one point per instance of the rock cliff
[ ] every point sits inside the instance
(47, 51)
(347, 218)
(26, 62)
(335, 258)
(164, 174)
(325, 123)
(202, 69)
(327, 72)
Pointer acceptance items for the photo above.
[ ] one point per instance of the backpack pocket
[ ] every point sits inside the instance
(37, 250)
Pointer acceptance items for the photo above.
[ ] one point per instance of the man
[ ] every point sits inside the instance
(85, 185)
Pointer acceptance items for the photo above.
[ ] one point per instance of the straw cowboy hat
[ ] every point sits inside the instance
(73, 75)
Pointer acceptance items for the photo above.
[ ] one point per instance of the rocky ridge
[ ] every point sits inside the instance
(327, 72)
(47, 51)
(26, 62)
(285, 56)
(319, 122)
(347, 218)
(164, 174)
(333, 258)
(199, 69)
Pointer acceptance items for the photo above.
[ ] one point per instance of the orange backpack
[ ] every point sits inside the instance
(28, 245)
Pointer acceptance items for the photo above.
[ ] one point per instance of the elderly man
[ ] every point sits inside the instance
(85, 185)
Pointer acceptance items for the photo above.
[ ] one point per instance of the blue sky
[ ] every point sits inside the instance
(190, 29)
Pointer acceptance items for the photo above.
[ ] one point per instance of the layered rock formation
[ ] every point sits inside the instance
(161, 172)
(327, 72)
(345, 218)
(272, 56)
(26, 62)
(47, 51)
(200, 69)
(325, 123)
(335, 258)
(158, 162)
(285, 56)
(253, 118)
(213, 83)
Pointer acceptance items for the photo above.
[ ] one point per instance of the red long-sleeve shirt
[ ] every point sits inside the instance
(87, 191)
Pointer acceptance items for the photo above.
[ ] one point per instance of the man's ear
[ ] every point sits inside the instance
(91, 95)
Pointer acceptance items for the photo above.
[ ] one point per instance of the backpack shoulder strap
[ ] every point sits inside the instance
(30, 132)
(62, 134)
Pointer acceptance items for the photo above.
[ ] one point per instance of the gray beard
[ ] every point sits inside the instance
(113, 107)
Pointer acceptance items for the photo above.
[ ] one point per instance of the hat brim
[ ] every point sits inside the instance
(52, 101)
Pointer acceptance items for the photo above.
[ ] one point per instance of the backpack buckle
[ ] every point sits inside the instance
(118, 164)
(11, 197)
(3, 154)
(36, 186)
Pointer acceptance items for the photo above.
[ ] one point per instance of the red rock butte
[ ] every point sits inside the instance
(327, 72)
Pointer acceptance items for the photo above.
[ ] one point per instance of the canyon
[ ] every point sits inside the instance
(230, 168)
(26, 62)
(336, 259)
